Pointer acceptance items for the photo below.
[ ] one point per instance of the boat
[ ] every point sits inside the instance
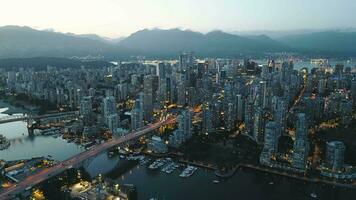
(156, 164)
(216, 181)
(271, 183)
(188, 171)
(313, 195)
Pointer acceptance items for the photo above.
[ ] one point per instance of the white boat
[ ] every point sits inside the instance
(188, 171)
(313, 195)
(216, 181)
(156, 164)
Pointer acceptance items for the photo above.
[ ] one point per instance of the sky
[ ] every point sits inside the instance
(114, 18)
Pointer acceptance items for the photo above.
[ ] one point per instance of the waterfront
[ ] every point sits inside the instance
(246, 184)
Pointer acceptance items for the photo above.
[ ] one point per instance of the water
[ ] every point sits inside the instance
(245, 184)
(24, 146)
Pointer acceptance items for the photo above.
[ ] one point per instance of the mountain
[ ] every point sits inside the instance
(22, 42)
(18, 41)
(91, 36)
(284, 33)
(116, 40)
(100, 38)
(216, 43)
(42, 63)
(328, 42)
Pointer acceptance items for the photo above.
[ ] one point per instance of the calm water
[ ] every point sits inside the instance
(245, 184)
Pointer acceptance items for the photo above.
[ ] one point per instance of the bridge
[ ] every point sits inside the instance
(14, 118)
(60, 167)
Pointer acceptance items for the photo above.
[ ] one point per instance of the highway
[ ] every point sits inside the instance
(47, 173)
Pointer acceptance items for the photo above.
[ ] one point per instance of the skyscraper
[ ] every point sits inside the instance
(150, 89)
(111, 118)
(109, 106)
(113, 122)
(239, 107)
(262, 92)
(334, 158)
(207, 124)
(137, 116)
(258, 126)
(185, 123)
(270, 144)
(301, 144)
(186, 60)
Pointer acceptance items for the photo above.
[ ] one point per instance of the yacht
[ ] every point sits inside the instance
(188, 171)
(313, 195)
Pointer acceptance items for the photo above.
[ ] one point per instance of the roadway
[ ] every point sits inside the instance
(47, 173)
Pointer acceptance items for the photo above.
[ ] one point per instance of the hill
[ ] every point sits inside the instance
(216, 43)
(328, 42)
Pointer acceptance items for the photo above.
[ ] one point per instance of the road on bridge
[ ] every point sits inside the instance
(47, 173)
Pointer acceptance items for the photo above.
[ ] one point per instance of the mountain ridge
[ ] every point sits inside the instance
(23, 41)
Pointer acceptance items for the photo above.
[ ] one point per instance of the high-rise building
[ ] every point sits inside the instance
(137, 116)
(339, 69)
(207, 122)
(156, 145)
(111, 118)
(109, 106)
(113, 122)
(248, 117)
(280, 115)
(11, 79)
(230, 117)
(270, 144)
(262, 92)
(121, 91)
(239, 107)
(181, 94)
(186, 60)
(150, 90)
(334, 158)
(161, 70)
(271, 136)
(353, 90)
(258, 126)
(301, 144)
(185, 123)
(321, 86)
(86, 105)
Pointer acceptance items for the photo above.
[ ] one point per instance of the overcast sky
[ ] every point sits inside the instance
(114, 18)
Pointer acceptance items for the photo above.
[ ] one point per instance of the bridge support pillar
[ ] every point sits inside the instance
(30, 132)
